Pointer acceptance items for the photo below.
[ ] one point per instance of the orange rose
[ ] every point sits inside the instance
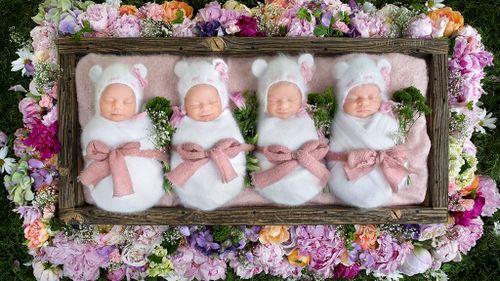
(172, 7)
(128, 10)
(295, 259)
(274, 234)
(36, 233)
(469, 189)
(366, 236)
(455, 19)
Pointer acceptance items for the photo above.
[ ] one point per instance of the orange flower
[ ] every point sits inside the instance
(455, 19)
(281, 3)
(172, 7)
(295, 259)
(128, 10)
(471, 188)
(366, 236)
(274, 234)
(36, 233)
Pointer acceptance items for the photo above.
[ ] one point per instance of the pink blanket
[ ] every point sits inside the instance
(406, 71)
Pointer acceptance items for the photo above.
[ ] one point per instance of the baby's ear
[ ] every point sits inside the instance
(95, 72)
(258, 67)
(221, 67)
(339, 69)
(141, 69)
(180, 68)
(384, 67)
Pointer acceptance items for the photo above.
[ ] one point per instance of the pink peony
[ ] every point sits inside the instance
(185, 29)
(151, 11)
(30, 110)
(212, 269)
(267, 256)
(51, 117)
(127, 26)
(369, 25)
(101, 17)
(212, 11)
(243, 267)
(43, 36)
(466, 236)
(388, 256)
(420, 27)
(418, 261)
(445, 250)
(116, 275)
(489, 191)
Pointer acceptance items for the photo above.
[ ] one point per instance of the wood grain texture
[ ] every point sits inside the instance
(259, 216)
(72, 207)
(248, 47)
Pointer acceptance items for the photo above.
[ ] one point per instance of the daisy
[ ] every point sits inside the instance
(486, 122)
(434, 4)
(23, 62)
(6, 163)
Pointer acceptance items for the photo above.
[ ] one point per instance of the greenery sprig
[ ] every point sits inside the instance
(410, 105)
(322, 107)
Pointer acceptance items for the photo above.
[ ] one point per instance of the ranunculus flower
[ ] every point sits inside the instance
(171, 8)
(128, 10)
(298, 260)
(455, 19)
(366, 236)
(418, 261)
(274, 234)
(36, 233)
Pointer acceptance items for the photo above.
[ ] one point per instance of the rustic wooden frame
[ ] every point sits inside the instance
(73, 209)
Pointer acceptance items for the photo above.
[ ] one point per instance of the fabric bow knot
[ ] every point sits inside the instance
(107, 161)
(309, 156)
(195, 157)
(360, 162)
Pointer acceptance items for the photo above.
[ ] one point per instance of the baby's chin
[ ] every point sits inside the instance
(117, 117)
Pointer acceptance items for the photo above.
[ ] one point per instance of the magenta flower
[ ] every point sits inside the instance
(464, 218)
(127, 26)
(248, 26)
(44, 139)
(489, 191)
(346, 272)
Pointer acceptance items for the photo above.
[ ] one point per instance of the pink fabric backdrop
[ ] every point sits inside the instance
(406, 71)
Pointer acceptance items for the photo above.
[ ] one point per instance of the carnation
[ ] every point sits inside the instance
(151, 11)
(127, 26)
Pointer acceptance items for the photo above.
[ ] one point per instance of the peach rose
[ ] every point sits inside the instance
(36, 233)
(471, 188)
(274, 234)
(172, 7)
(455, 19)
(366, 236)
(128, 10)
(295, 259)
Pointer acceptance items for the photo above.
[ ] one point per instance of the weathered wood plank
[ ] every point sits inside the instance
(259, 216)
(247, 47)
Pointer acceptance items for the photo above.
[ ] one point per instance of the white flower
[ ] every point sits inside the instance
(487, 121)
(24, 57)
(6, 163)
(496, 228)
(42, 273)
(434, 4)
(115, 3)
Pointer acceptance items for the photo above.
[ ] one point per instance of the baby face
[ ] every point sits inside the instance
(283, 100)
(203, 103)
(117, 102)
(363, 101)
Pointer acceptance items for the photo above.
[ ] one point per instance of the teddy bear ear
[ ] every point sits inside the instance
(95, 72)
(306, 59)
(258, 67)
(385, 69)
(180, 68)
(221, 67)
(141, 68)
(339, 69)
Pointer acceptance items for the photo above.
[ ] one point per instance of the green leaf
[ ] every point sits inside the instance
(179, 17)
(321, 30)
(65, 5)
(303, 13)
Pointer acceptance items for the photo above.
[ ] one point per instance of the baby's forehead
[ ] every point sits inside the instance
(367, 88)
(118, 90)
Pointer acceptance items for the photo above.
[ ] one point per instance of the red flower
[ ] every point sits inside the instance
(43, 139)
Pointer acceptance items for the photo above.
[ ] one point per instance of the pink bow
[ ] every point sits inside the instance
(306, 72)
(360, 162)
(177, 116)
(195, 156)
(106, 161)
(308, 156)
(143, 82)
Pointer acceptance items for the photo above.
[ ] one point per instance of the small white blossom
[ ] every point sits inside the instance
(6, 163)
(434, 4)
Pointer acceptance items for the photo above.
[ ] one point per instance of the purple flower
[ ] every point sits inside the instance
(203, 241)
(346, 272)
(3, 139)
(326, 19)
(464, 218)
(127, 26)
(248, 26)
(252, 233)
(388, 256)
(489, 191)
(420, 27)
(301, 28)
(42, 175)
(101, 18)
(116, 275)
(211, 12)
(69, 22)
(29, 214)
(44, 139)
(244, 266)
(30, 110)
(30, 68)
(369, 25)
(208, 29)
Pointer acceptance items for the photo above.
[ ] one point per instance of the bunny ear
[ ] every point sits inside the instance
(306, 59)
(141, 69)
(95, 72)
(339, 69)
(385, 69)
(221, 67)
(258, 67)
(306, 62)
(180, 68)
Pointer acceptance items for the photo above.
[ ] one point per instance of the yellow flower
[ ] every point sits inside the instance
(171, 8)
(128, 10)
(274, 234)
(295, 259)
(455, 19)
(36, 233)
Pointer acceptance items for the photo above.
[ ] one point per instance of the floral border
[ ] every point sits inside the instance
(205, 252)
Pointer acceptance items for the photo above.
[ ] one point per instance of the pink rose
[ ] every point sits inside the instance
(152, 11)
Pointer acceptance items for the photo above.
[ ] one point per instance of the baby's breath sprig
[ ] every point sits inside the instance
(410, 105)
(160, 111)
(322, 107)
